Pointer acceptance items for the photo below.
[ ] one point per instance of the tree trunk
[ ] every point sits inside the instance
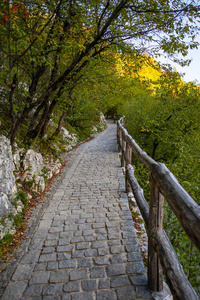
(58, 129)
(32, 89)
(155, 145)
(32, 134)
(12, 115)
(45, 125)
(52, 106)
(14, 129)
(34, 120)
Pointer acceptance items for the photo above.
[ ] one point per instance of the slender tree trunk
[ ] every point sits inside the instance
(32, 134)
(155, 145)
(58, 129)
(15, 128)
(46, 122)
(20, 120)
(52, 106)
(34, 119)
(12, 115)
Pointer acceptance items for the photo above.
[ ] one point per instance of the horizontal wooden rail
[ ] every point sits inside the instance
(184, 207)
(139, 153)
(138, 193)
(163, 185)
(177, 280)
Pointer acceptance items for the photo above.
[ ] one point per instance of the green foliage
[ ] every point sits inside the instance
(18, 221)
(188, 254)
(28, 183)
(7, 239)
(22, 197)
(156, 118)
(50, 149)
(165, 123)
(44, 171)
(143, 177)
(135, 213)
(10, 240)
(49, 51)
(5, 243)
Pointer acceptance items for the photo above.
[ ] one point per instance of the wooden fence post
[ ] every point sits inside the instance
(155, 272)
(128, 162)
(118, 133)
(123, 153)
(120, 141)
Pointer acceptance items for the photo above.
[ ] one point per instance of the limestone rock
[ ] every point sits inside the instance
(49, 174)
(5, 205)
(17, 157)
(38, 184)
(55, 167)
(32, 166)
(94, 130)
(52, 167)
(33, 162)
(7, 186)
(7, 180)
(102, 122)
(8, 227)
(70, 138)
(19, 206)
(37, 169)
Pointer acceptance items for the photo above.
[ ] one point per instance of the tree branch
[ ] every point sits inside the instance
(102, 15)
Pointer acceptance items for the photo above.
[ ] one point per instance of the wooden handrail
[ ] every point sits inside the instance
(163, 185)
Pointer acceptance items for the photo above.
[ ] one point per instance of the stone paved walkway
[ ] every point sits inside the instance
(83, 245)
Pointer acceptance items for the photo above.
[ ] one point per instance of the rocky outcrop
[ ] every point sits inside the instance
(70, 138)
(31, 170)
(33, 165)
(35, 170)
(101, 124)
(51, 167)
(7, 188)
(7, 180)
(17, 157)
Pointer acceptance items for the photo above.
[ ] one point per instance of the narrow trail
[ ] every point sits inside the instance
(82, 243)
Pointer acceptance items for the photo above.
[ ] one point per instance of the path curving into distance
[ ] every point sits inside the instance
(82, 244)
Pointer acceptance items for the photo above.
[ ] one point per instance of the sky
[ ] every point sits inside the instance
(191, 72)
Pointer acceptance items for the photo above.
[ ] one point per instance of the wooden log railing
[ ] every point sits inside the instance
(161, 255)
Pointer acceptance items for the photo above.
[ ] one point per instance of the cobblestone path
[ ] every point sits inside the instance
(82, 245)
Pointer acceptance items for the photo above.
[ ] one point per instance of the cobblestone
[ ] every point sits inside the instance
(23, 272)
(59, 276)
(89, 285)
(97, 272)
(52, 289)
(82, 244)
(67, 264)
(72, 287)
(77, 274)
(126, 293)
(39, 277)
(104, 283)
(119, 281)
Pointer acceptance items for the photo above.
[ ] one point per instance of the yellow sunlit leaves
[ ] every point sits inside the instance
(144, 129)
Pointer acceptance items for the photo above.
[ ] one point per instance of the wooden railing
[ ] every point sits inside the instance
(161, 255)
